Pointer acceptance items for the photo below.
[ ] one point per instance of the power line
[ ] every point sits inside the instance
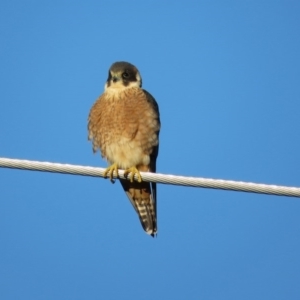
(153, 177)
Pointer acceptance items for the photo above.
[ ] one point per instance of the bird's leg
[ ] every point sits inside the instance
(133, 171)
(109, 172)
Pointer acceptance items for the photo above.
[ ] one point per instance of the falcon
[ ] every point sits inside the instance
(124, 125)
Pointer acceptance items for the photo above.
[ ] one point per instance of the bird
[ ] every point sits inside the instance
(124, 124)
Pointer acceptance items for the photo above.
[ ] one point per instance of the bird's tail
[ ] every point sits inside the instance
(142, 196)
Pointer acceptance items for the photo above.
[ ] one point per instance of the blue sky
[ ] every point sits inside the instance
(226, 77)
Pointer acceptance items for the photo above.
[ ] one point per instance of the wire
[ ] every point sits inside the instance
(153, 177)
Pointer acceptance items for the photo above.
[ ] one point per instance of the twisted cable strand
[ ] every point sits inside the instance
(153, 177)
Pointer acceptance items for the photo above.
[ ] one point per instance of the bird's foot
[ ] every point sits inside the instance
(133, 171)
(109, 172)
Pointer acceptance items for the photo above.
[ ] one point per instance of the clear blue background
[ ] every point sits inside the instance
(226, 76)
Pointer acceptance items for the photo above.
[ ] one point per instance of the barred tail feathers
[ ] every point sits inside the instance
(142, 196)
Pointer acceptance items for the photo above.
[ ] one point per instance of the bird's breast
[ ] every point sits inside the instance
(126, 128)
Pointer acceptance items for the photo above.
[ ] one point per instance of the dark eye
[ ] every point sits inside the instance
(125, 75)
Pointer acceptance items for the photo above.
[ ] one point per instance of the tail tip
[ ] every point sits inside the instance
(151, 232)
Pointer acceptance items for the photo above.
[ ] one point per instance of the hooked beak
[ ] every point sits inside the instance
(115, 78)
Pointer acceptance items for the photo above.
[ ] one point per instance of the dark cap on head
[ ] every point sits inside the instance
(125, 71)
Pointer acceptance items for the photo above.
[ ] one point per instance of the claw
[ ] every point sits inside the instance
(109, 172)
(133, 171)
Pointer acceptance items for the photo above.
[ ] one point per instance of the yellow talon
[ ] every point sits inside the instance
(109, 172)
(133, 171)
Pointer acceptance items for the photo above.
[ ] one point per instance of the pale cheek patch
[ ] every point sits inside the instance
(117, 87)
(139, 80)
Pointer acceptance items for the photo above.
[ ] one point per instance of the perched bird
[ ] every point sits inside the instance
(124, 124)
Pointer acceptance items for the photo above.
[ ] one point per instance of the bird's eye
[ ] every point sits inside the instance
(125, 75)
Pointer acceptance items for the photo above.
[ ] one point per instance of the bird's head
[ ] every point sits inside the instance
(122, 75)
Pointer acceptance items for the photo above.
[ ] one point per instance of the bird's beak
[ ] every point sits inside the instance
(115, 78)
